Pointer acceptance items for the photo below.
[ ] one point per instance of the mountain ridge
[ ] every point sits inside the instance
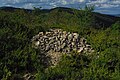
(101, 20)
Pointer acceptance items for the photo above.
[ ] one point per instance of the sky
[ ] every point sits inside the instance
(102, 6)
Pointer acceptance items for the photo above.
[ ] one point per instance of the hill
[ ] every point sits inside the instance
(101, 20)
(117, 15)
(20, 59)
(11, 9)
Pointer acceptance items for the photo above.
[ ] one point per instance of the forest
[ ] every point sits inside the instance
(18, 57)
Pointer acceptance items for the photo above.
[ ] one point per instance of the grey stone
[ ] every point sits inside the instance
(63, 45)
(40, 33)
(37, 43)
(80, 49)
(75, 35)
(88, 46)
(70, 36)
(47, 47)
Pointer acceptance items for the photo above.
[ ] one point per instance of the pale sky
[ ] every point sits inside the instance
(102, 6)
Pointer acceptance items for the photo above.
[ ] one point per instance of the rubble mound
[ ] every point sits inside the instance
(56, 41)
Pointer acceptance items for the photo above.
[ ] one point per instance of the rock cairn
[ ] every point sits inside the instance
(61, 41)
(57, 41)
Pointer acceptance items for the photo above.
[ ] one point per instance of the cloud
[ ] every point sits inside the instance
(53, 3)
(104, 3)
(28, 4)
(107, 5)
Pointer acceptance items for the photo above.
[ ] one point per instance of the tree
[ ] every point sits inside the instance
(89, 8)
(36, 11)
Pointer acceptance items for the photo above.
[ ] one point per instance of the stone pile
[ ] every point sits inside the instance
(56, 42)
(61, 41)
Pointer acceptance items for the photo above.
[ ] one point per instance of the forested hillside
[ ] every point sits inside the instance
(18, 57)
